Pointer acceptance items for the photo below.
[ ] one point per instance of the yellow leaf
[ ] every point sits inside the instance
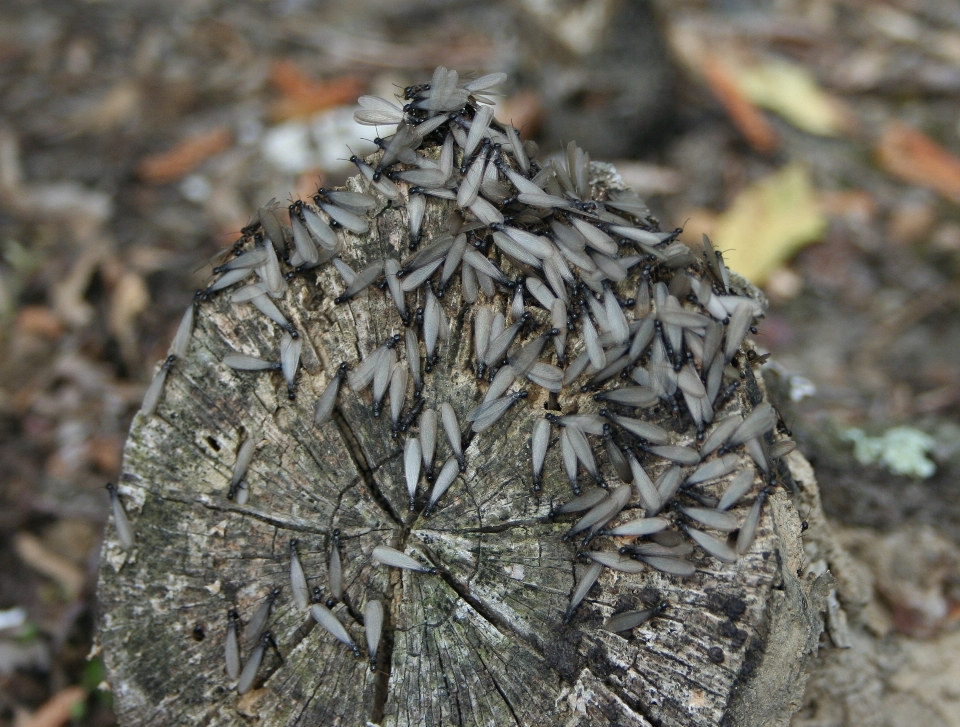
(791, 91)
(769, 221)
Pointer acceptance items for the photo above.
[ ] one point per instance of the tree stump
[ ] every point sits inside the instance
(484, 640)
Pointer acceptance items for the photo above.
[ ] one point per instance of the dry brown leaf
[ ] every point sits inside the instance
(748, 119)
(524, 110)
(68, 293)
(57, 711)
(697, 222)
(791, 91)
(105, 452)
(853, 205)
(916, 158)
(40, 321)
(302, 96)
(175, 163)
(35, 554)
(769, 221)
(116, 107)
(129, 299)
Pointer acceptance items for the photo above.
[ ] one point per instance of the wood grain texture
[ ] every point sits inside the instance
(482, 642)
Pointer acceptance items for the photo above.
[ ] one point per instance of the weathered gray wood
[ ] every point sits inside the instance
(484, 641)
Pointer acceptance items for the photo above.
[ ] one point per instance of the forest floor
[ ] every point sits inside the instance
(818, 144)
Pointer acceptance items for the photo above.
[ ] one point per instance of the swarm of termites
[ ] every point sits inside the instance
(578, 311)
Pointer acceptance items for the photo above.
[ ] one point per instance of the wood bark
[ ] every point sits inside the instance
(483, 642)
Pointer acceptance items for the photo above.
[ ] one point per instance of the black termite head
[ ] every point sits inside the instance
(331, 602)
(317, 596)
(198, 633)
(112, 489)
(298, 270)
(755, 358)
(804, 526)
(268, 640)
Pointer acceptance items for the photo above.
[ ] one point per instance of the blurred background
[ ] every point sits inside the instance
(815, 141)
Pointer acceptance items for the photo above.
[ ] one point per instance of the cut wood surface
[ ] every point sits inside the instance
(481, 642)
